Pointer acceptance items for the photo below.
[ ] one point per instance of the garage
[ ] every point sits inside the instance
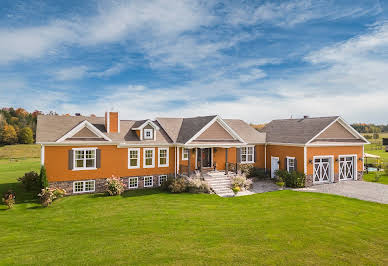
(347, 167)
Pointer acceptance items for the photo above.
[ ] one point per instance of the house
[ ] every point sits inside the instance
(326, 149)
(80, 152)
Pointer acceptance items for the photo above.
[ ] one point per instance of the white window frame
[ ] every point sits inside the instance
(144, 157)
(167, 155)
(355, 171)
(152, 181)
(151, 133)
(84, 186)
(160, 183)
(247, 149)
(185, 152)
(75, 168)
(129, 182)
(289, 159)
(138, 158)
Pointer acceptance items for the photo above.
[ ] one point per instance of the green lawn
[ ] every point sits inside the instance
(20, 151)
(148, 227)
(371, 178)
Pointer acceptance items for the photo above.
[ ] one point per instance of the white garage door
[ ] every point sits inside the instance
(322, 169)
(347, 167)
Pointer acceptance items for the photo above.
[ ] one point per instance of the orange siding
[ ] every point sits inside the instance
(335, 151)
(282, 152)
(260, 156)
(114, 161)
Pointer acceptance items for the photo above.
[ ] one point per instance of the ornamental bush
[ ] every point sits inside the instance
(9, 199)
(197, 185)
(31, 181)
(178, 185)
(43, 177)
(241, 181)
(48, 195)
(293, 179)
(114, 186)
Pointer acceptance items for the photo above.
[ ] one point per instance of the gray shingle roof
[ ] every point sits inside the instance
(298, 131)
(245, 131)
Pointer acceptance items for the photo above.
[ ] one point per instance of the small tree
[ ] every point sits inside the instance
(26, 136)
(43, 177)
(9, 135)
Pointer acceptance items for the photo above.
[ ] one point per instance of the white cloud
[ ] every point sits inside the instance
(254, 74)
(71, 73)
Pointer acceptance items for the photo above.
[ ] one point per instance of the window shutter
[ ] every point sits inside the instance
(295, 165)
(70, 162)
(285, 164)
(254, 153)
(238, 155)
(98, 158)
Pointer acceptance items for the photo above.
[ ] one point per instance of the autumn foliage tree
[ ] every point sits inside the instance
(8, 135)
(26, 136)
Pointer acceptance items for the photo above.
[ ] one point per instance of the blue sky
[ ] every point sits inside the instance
(254, 60)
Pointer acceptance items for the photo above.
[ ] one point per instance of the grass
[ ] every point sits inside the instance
(371, 178)
(20, 151)
(153, 227)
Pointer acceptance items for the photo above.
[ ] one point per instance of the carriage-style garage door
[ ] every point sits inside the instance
(347, 167)
(322, 169)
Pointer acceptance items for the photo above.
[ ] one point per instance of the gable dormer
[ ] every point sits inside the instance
(146, 130)
(84, 131)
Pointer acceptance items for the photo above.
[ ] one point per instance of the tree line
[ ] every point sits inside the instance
(370, 128)
(17, 126)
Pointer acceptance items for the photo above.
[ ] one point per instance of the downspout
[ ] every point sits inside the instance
(175, 159)
(265, 157)
(42, 155)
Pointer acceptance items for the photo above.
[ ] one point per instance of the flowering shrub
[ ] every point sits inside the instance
(241, 181)
(236, 189)
(196, 185)
(178, 185)
(48, 195)
(9, 199)
(114, 186)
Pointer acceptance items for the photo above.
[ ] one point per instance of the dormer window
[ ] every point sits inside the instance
(148, 133)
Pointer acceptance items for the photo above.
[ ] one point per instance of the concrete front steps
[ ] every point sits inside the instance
(219, 183)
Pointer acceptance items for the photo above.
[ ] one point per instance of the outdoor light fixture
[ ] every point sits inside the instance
(336, 160)
(310, 161)
(360, 159)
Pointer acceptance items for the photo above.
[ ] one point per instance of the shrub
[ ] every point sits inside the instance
(178, 185)
(31, 181)
(247, 169)
(114, 186)
(241, 181)
(48, 195)
(26, 136)
(9, 199)
(280, 184)
(386, 170)
(377, 177)
(43, 177)
(236, 189)
(293, 179)
(196, 185)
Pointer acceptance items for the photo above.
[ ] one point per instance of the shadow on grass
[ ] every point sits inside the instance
(22, 196)
(142, 192)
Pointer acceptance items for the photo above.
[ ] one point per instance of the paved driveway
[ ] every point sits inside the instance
(354, 189)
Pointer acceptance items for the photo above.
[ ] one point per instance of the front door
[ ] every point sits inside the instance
(206, 157)
(346, 167)
(322, 170)
(274, 166)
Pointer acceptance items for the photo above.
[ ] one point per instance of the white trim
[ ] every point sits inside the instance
(41, 155)
(83, 190)
(305, 160)
(82, 125)
(253, 155)
(153, 158)
(355, 171)
(145, 124)
(75, 168)
(177, 158)
(331, 164)
(159, 179)
(223, 124)
(183, 152)
(129, 182)
(145, 137)
(265, 158)
(167, 157)
(196, 158)
(273, 172)
(152, 181)
(288, 165)
(138, 158)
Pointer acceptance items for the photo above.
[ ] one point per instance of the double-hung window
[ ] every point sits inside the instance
(185, 154)
(247, 155)
(83, 186)
(133, 158)
(163, 157)
(291, 164)
(148, 181)
(84, 158)
(149, 158)
(133, 182)
(162, 178)
(148, 133)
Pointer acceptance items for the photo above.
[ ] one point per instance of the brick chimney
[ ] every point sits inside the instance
(112, 123)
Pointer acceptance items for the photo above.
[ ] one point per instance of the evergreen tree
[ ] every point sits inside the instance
(43, 177)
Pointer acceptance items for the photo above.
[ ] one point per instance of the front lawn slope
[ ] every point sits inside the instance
(148, 227)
